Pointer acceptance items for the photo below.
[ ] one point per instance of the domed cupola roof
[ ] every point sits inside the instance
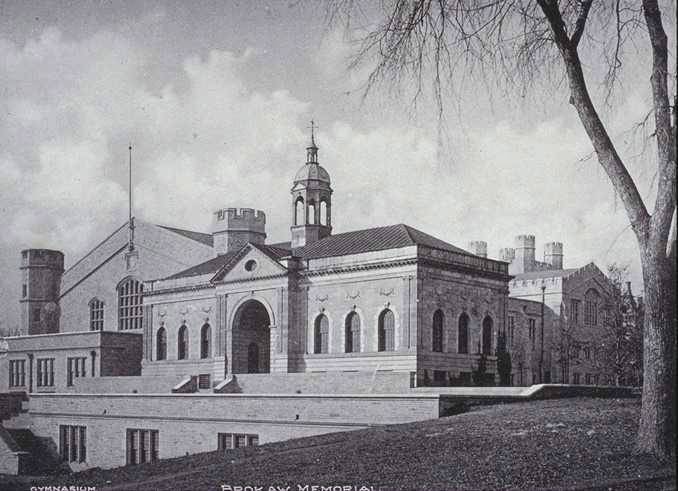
(312, 170)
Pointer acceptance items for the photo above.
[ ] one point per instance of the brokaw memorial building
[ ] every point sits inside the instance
(154, 343)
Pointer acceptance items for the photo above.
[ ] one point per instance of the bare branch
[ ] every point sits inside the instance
(585, 6)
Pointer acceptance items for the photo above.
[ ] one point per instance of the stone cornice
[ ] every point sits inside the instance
(358, 267)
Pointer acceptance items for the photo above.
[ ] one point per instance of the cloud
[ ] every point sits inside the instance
(204, 138)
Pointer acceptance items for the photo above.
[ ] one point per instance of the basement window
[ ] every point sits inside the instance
(72, 443)
(228, 441)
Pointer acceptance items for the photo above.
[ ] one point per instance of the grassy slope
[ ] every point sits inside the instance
(533, 445)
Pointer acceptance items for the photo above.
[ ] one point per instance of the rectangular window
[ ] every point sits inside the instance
(228, 441)
(240, 441)
(96, 315)
(142, 446)
(574, 311)
(204, 381)
(45, 372)
(73, 443)
(589, 379)
(24, 290)
(576, 379)
(17, 373)
(532, 331)
(75, 368)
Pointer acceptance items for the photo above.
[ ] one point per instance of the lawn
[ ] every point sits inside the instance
(555, 444)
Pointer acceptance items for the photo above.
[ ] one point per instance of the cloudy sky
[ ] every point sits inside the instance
(216, 98)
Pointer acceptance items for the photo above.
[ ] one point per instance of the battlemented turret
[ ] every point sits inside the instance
(232, 228)
(41, 286)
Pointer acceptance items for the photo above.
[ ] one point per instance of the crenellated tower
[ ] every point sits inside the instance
(41, 286)
(232, 228)
(311, 200)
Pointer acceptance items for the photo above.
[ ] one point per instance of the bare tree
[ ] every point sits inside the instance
(520, 38)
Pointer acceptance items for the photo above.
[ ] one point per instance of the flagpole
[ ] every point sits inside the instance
(131, 219)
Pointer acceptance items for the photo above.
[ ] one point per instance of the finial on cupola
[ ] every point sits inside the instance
(312, 149)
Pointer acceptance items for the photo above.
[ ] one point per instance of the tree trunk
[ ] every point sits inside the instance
(656, 432)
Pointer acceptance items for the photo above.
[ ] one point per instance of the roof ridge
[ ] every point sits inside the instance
(408, 232)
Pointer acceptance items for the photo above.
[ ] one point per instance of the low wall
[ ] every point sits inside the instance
(317, 408)
(337, 362)
(124, 385)
(494, 395)
(363, 382)
(183, 368)
(190, 423)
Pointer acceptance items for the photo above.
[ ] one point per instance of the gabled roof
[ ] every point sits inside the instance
(373, 239)
(208, 267)
(274, 251)
(201, 237)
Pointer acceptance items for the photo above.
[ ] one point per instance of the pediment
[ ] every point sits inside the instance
(250, 263)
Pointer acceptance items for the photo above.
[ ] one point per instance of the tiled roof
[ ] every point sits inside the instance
(208, 267)
(197, 236)
(356, 242)
(372, 239)
(274, 251)
(553, 273)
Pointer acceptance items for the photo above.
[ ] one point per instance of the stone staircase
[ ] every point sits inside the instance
(40, 455)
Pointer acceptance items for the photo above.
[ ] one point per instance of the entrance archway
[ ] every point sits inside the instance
(251, 338)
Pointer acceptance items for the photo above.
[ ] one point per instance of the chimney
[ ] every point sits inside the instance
(232, 228)
(524, 260)
(478, 247)
(553, 254)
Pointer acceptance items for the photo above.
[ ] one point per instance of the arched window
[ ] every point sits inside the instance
(130, 304)
(253, 358)
(310, 218)
(591, 308)
(324, 216)
(487, 335)
(205, 336)
(161, 344)
(182, 343)
(96, 315)
(462, 334)
(437, 331)
(353, 333)
(321, 334)
(386, 331)
(299, 211)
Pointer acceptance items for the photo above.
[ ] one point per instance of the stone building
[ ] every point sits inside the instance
(162, 341)
(307, 331)
(577, 304)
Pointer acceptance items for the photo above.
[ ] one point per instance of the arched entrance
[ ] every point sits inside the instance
(251, 338)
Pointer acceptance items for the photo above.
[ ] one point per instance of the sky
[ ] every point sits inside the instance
(216, 99)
